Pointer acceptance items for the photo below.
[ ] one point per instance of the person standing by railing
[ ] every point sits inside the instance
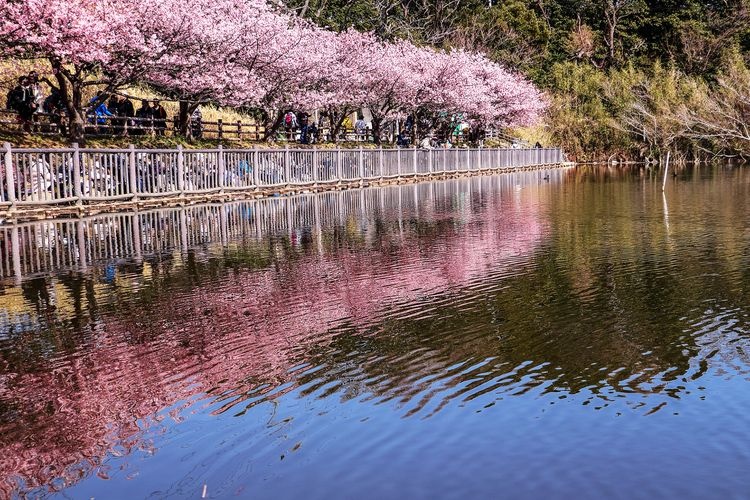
(126, 110)
(304, 125)
(290, 125)
(196, 123)
(113, 105)
(54, 106)
(36, 91)
(101, 113)
(312, 134)
(21, 100)
(360, 128)
(160, 117)
(145, 115)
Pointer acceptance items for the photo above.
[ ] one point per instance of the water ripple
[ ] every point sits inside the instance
(424, 302)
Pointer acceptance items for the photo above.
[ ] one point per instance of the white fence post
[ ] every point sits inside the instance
(380, 161)
(314, 166)
(77, 174)
(10, 187)
(180, 170)
(15, 250)
(287, 166)
(414, 162)
(361, 166)
(398, 161)
(222, 168)
(255, 166)
(132, 171)
(338, 164)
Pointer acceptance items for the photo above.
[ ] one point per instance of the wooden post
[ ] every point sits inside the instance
(220, 129)
(81, 237)
(15, 250)
(11, 187)
(239, 129)
(180, 169)
(77, 191)
(132, 173)
(185, 243)
(137, 247)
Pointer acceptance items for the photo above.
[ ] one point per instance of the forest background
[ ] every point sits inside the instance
(625, 78)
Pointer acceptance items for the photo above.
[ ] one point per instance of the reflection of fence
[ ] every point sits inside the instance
(60, 176)
(38, 248)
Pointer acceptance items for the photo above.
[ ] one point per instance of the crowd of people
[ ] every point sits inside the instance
(119, 113)
(309, 130)
(301, 126)
(116, 113)
(26, 98)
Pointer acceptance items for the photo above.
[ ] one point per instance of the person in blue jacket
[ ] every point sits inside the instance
(101, 112)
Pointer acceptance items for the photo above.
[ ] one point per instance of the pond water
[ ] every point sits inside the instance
(562, 334)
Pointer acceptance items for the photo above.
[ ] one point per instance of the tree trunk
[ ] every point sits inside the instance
(377, 122)
(336, 123)
(72, 92)
(183, 120)
(77, 115)
(273, 126)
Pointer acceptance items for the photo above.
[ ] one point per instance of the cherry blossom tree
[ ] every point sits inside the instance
(296, 79)
(92, 43)
(342, 91)
(246, 53)
(234, 46)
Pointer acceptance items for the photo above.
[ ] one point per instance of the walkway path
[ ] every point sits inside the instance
(114, 179)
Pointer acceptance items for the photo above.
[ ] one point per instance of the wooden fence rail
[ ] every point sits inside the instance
(78, 175)
(237, 130)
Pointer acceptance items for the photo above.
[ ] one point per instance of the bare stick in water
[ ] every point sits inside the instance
(666, 169)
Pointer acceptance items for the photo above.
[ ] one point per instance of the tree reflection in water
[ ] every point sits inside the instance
(426, 296)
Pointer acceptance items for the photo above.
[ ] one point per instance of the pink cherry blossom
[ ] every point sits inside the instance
(246, 53)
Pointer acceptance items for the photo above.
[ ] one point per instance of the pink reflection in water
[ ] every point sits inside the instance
(220, 341)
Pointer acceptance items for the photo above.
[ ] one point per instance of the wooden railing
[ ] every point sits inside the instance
(98, 126)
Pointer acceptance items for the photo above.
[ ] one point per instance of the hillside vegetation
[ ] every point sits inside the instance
(624, 77)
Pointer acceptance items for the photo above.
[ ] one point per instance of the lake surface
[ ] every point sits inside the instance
(562, 334)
